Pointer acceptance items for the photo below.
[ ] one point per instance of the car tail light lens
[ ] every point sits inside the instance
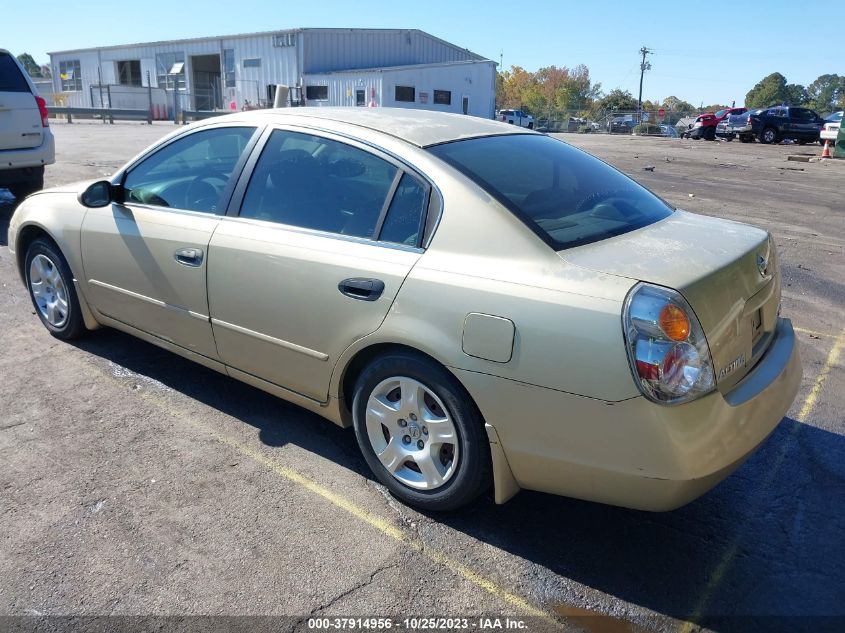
(666, 346)
(42, 110)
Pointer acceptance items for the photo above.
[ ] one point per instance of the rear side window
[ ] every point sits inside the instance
(403, 222)
(564, 195)
(318, 183)
(11, 78)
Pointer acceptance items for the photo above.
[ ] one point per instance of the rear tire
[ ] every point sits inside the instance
(746, 139)
(438, 467)
(50, 284)
(22, 189)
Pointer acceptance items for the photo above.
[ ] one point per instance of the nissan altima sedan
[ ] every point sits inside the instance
(485, 305)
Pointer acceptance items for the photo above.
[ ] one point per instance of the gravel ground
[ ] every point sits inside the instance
(135, 483)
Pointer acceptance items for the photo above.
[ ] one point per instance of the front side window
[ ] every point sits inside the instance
(70, 75)
(564, 195)
(318, 183)
(190, 173)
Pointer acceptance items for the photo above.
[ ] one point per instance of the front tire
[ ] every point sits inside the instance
(50, 284)
(768, 136)
(420, 432)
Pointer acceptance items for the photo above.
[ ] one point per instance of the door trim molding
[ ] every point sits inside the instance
(155, 302)
(312, 353)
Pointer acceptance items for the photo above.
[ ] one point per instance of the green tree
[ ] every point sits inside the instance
(826, 92)
(674, 104)
(617, 100)
(29, 65)
(772, 90)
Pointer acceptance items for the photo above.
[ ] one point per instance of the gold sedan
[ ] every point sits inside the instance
(485, 305)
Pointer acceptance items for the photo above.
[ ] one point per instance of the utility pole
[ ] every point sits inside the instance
(644, 66)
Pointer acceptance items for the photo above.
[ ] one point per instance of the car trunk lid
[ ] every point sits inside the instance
(724, 270)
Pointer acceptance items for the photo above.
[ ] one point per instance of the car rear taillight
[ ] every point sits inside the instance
(749, 120)
(669, 356)
(42, 110)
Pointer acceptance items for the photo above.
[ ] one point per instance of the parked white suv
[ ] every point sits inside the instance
(516, 117)
(26, 142)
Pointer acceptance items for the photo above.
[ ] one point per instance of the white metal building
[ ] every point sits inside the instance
(331, 67)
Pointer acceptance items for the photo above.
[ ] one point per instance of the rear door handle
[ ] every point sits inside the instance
(189, 256)
(363, 289)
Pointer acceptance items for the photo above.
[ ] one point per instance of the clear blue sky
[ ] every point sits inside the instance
(711, 63)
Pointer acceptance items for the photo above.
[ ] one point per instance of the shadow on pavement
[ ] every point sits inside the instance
(769, 541)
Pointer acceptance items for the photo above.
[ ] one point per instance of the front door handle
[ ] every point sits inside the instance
(189, 256)
(363, 289)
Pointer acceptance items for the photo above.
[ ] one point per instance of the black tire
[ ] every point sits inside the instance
(802, 141)
(473, 471)
(821, 142)
(22, 189)
(73, 325)
(729, 138)
(746, 139)
(530, 126)
(768, 136)
(710, 134)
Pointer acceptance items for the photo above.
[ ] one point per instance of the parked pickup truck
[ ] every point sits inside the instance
(737, 125)
(772, 125)
(516, 117)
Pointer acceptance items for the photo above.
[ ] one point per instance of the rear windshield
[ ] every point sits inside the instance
(11, 79)
(564, 195)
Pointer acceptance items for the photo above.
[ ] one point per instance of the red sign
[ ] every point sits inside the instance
(661, 113)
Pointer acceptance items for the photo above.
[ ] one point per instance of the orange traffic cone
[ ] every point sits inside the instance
(826, 151)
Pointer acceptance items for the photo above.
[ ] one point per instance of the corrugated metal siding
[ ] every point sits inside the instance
(331, 50)
(342, 88)
(476, 81)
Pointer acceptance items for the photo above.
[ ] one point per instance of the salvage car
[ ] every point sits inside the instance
(779, 123)
(483, 304)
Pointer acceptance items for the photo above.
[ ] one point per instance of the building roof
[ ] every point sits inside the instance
(468, 52)
(381, 69)
(422, 128)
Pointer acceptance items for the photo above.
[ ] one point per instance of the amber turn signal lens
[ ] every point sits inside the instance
(674, 322)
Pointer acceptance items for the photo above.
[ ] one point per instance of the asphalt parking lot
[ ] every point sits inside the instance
(135, 483)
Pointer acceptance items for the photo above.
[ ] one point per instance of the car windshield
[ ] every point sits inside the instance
(566, 196)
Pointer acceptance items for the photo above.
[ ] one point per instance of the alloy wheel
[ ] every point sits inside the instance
(48, 289)
(412, 433)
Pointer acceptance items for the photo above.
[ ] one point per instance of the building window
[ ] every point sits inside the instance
(165, 63)
(253, 62)
(443, 97)
(129, 72)
(360, 97)
(70, 75)
(284, 39)
(317, 93)
(405, 93)
(229, 67)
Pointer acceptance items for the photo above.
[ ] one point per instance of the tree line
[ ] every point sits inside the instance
(559, 92)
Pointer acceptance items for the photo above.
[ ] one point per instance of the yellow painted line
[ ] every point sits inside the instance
(806, 408)
(382, 525)
(818, 334)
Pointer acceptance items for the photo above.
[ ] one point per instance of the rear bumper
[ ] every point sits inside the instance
(636, 453)
(828, 135)
(44, 154)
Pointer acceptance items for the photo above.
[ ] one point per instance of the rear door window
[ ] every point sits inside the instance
(564, 195)
(11, 78)
(318, 183)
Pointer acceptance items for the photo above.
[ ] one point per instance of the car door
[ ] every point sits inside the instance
(326, 233)
(145, 258)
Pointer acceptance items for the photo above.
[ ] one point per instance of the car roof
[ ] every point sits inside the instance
(422, 128)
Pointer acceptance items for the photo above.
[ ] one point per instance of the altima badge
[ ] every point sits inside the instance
(732, 367)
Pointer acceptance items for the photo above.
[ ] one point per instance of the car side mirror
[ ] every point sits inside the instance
(97, 194)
